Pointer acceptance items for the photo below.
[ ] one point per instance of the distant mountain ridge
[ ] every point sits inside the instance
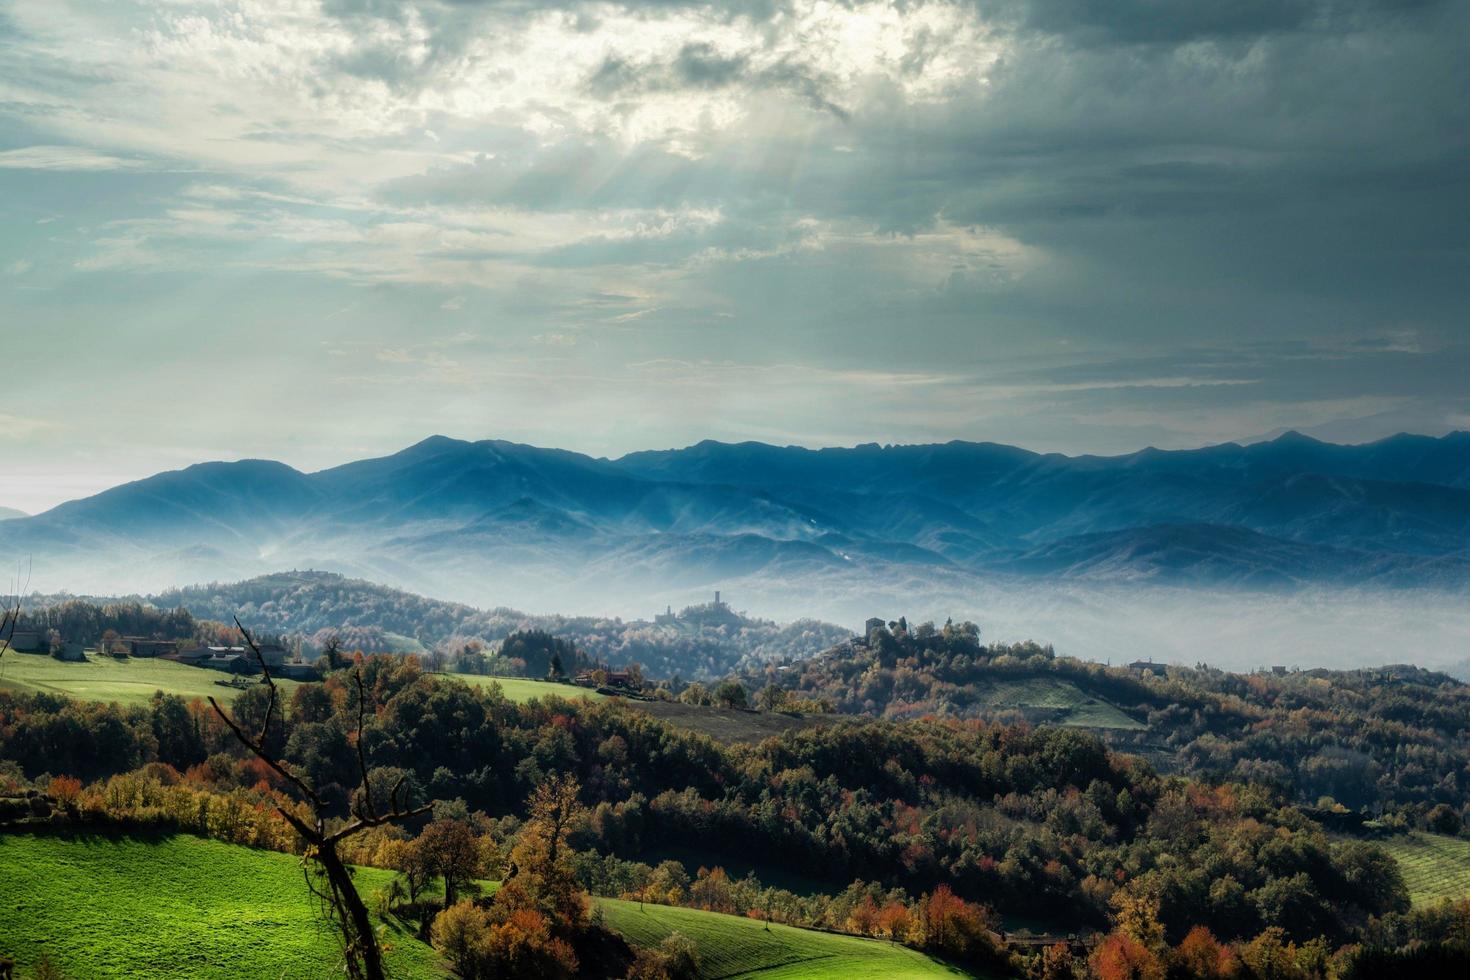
(501, 522)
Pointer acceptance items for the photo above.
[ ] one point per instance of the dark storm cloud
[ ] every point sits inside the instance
(701, 66)
(1117, 133)
(1149, 20)
(1175, 22)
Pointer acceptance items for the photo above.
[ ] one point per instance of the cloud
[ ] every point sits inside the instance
(1109, 222)
(701, 66)
(22, 427)
(1145, 21)
(63, 158)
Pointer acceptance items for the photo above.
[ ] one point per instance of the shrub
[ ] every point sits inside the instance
(479, 944)
(682, 955)
(649, 964)
(522, 946)
(65, 789)
(1444, 819)
(458, 934)
(676, 958)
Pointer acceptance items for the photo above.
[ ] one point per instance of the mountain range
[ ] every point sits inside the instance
(494, 522)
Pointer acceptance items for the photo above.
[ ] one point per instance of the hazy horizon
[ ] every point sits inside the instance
(1275, 554)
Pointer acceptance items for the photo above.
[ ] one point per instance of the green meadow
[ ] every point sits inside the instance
(523, 689)
(1435, 866)
(1073, 706)
(172, 907)
(126, 681)
(733, 946)
(134, 679)
(183, 907)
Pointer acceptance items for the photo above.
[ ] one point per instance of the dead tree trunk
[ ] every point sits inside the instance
(340, 878)
(344, 906)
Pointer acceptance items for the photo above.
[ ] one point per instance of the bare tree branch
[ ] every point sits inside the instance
(259, 749)
(362, 957)
(270, 682)
(10, 614)
(387, 818)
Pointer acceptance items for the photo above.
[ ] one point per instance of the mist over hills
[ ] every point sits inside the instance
(833, 533)
(1276, 513)
(707, 640)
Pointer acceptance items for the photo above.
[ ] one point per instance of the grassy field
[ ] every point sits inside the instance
(130, 681)
(173, 907)
(177, 907)
(722, 724)
(1434, 866)
(523, 689)
(1071, 705)
(133, 681)
(732, 946)
(730, 725)
(399, 643)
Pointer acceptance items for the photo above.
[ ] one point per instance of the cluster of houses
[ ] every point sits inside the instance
(709, 613)
(27, 641)
(609, 679)
(1161, 670)
(242, 660)
(230, 659)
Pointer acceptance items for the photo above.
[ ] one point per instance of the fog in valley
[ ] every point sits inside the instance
(1234, 630)
(1230, 628)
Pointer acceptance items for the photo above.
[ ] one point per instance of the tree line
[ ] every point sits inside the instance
(1046, 823)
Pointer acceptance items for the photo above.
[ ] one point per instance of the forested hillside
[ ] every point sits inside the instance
(1392, 742)
(700, 641)
(1046, 824)
(1164, 813)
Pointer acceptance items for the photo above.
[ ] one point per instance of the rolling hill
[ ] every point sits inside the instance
(548, 528)
(92, 904)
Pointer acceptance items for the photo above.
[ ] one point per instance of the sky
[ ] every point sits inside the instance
(318, 230)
